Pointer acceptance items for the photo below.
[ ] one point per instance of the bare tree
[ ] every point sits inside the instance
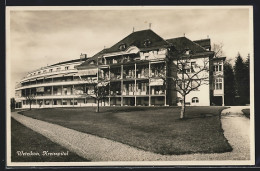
(188, 75)
(100, 93)
(30, 98)
(218, 49)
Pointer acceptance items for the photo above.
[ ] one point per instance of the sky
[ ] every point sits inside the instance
(43, 37)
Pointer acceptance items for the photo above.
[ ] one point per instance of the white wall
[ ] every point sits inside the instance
(203, 92)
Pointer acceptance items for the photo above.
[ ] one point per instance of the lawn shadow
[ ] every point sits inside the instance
(198, 116)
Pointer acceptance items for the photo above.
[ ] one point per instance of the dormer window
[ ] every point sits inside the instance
(218, 67)
(147, 43)
(66, 68)
(122, 47)
(187, 51)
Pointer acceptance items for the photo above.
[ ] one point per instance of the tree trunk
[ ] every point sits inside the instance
(97, 109)
(182, 116)
(30, 105)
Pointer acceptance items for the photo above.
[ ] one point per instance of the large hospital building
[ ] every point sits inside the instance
(133, 69)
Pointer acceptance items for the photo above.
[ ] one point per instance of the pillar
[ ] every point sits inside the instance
(149, 88)
(135, 93)
(223, 99)
(122, 70)
(165, 91)
(109, 93)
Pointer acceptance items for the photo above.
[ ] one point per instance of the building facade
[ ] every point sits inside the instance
(138, 71)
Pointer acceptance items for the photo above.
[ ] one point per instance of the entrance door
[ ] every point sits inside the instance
(217, 101)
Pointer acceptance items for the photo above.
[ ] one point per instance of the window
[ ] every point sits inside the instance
(66, 68)
(147, 42)
(58, 69)
(39, 72)
(178, 100)
(50, 70)
(54, 102)
(195, 100)
(218, 67)
(64, 102)
(193, 66)
(122, 47)
(189, 67)
(65, 91)
(47, 102)
(143, 87)
(218, 84)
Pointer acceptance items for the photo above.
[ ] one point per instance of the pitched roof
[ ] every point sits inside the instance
(182, 43)
(70, 61)
(87, 63)
(203, 42)
(134, 39)
(137, 39)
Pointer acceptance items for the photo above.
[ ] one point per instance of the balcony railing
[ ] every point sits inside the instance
(48, 73)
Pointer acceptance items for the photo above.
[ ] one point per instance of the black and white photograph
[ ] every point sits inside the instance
(130, 85)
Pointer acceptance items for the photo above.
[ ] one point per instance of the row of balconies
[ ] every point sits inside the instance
(128, 89)
(118, 76)
(112, 94)
(152, 55)
(57, 82)
(53, 72)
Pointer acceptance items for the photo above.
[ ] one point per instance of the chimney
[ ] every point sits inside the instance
(83, 56)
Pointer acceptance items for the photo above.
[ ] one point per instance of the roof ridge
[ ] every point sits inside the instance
(194, 42)
(198, 45)
(201, 39)
(160, 36)
(175, 38)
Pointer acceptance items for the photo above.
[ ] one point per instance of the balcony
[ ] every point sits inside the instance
(49, 74)
(59, 83)
(115, 93)
(116, 76)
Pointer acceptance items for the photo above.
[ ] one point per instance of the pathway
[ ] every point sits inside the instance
(95, 148)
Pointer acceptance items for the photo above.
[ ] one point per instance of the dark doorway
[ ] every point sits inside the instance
(217, 101)
(132, 101)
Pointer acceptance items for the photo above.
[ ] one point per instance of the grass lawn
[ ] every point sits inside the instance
(26, 140)
(246, 112)
(155, 129)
